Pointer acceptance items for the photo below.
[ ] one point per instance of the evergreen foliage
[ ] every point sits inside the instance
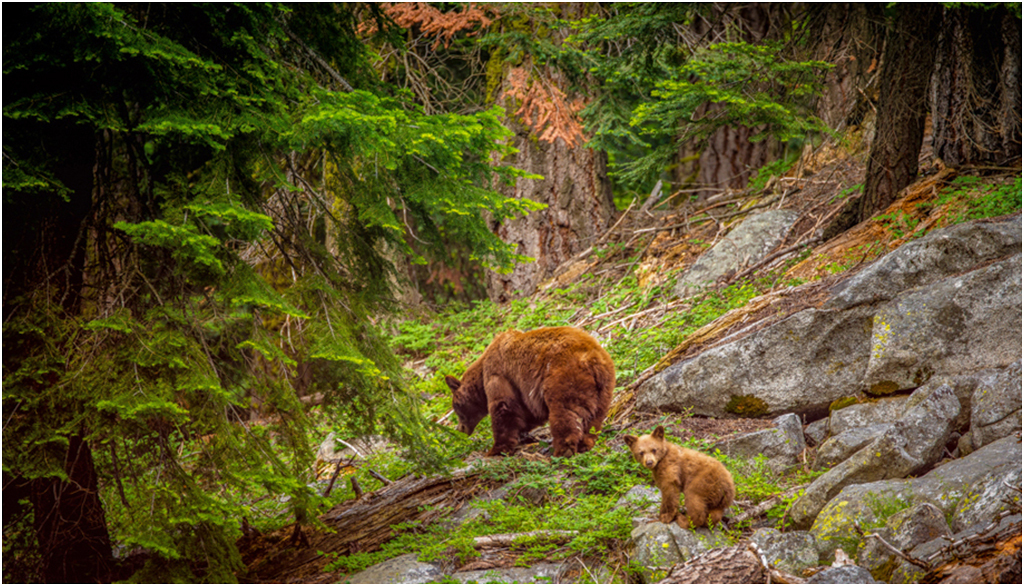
(197, 232)
(660, 89)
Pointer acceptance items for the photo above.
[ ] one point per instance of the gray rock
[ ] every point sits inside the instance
(543, 573)
(816, 432)
(996, 406)
(960, 324)
(881, 411)
(910, 446)
(937, 255)
(745, 244)
(880, 343)
(660, 545)
(905, 530)
(641, 498)
(782, 444)
(799, 365)
(840, 447)
(404, 569)
(963, 489)
(843, 575)
(790, 552)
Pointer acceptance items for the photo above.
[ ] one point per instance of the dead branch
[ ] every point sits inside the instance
(771, 257)
(763, 507)
(507, 539)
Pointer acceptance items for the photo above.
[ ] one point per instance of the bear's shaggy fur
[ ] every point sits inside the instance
(524, 379)
(703, 480)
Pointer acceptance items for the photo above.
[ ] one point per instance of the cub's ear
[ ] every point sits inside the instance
(630, 440)
(659, 433)
(453, 383)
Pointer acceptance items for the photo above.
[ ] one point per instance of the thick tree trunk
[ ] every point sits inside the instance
(903, 105)
(849, 36)
(576, 190)
(70, 525)
(976, 110)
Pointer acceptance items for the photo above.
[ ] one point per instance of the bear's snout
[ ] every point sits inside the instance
(650, 462)
(466, 429)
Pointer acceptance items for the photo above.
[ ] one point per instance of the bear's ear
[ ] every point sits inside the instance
(659, 433)
(630, 440)
(453, 383)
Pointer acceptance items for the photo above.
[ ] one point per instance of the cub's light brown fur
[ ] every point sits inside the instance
(703, 480)
(561, 375)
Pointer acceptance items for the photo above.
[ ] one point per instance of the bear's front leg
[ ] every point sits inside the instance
(567, 433)
(507, 418)
(669, 502)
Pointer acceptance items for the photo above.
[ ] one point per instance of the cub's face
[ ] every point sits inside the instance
(648, 449)
(468, 416)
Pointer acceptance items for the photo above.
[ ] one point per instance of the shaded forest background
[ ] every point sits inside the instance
(212, 215)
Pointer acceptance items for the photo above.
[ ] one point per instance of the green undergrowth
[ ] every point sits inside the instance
(575, 494)
(966, 198)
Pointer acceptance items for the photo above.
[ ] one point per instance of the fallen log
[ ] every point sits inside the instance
(727, 565)
(360, 525)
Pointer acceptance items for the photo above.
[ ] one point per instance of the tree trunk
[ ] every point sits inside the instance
(850, 37)
(576, 190)
(976, 111)
(69, 521)
(903, 105)
(728, 159)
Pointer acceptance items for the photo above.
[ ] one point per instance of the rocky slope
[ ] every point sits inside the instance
(894, 370)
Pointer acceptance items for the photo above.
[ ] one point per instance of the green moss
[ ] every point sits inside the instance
(747, 406)
(842, 403)
(883, 388)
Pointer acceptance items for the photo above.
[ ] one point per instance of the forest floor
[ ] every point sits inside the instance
(621, 292)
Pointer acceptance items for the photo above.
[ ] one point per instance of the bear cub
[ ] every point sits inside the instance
(703, 480)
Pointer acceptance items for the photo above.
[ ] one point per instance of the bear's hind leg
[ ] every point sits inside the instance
(696, 511)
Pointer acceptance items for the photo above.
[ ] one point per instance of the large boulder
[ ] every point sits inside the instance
(878, 338)
(745, 245)
(933, 257)
(965, 490)
(910, 446)
(781, 445)
(799, 365)
(996, 406)
(960, 324)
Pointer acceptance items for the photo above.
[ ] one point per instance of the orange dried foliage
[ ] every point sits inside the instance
(545, 108)
(432, 22)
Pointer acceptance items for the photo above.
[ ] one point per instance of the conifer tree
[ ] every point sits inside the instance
(198, 201)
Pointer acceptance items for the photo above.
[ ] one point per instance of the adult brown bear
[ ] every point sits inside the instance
(524, 379)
